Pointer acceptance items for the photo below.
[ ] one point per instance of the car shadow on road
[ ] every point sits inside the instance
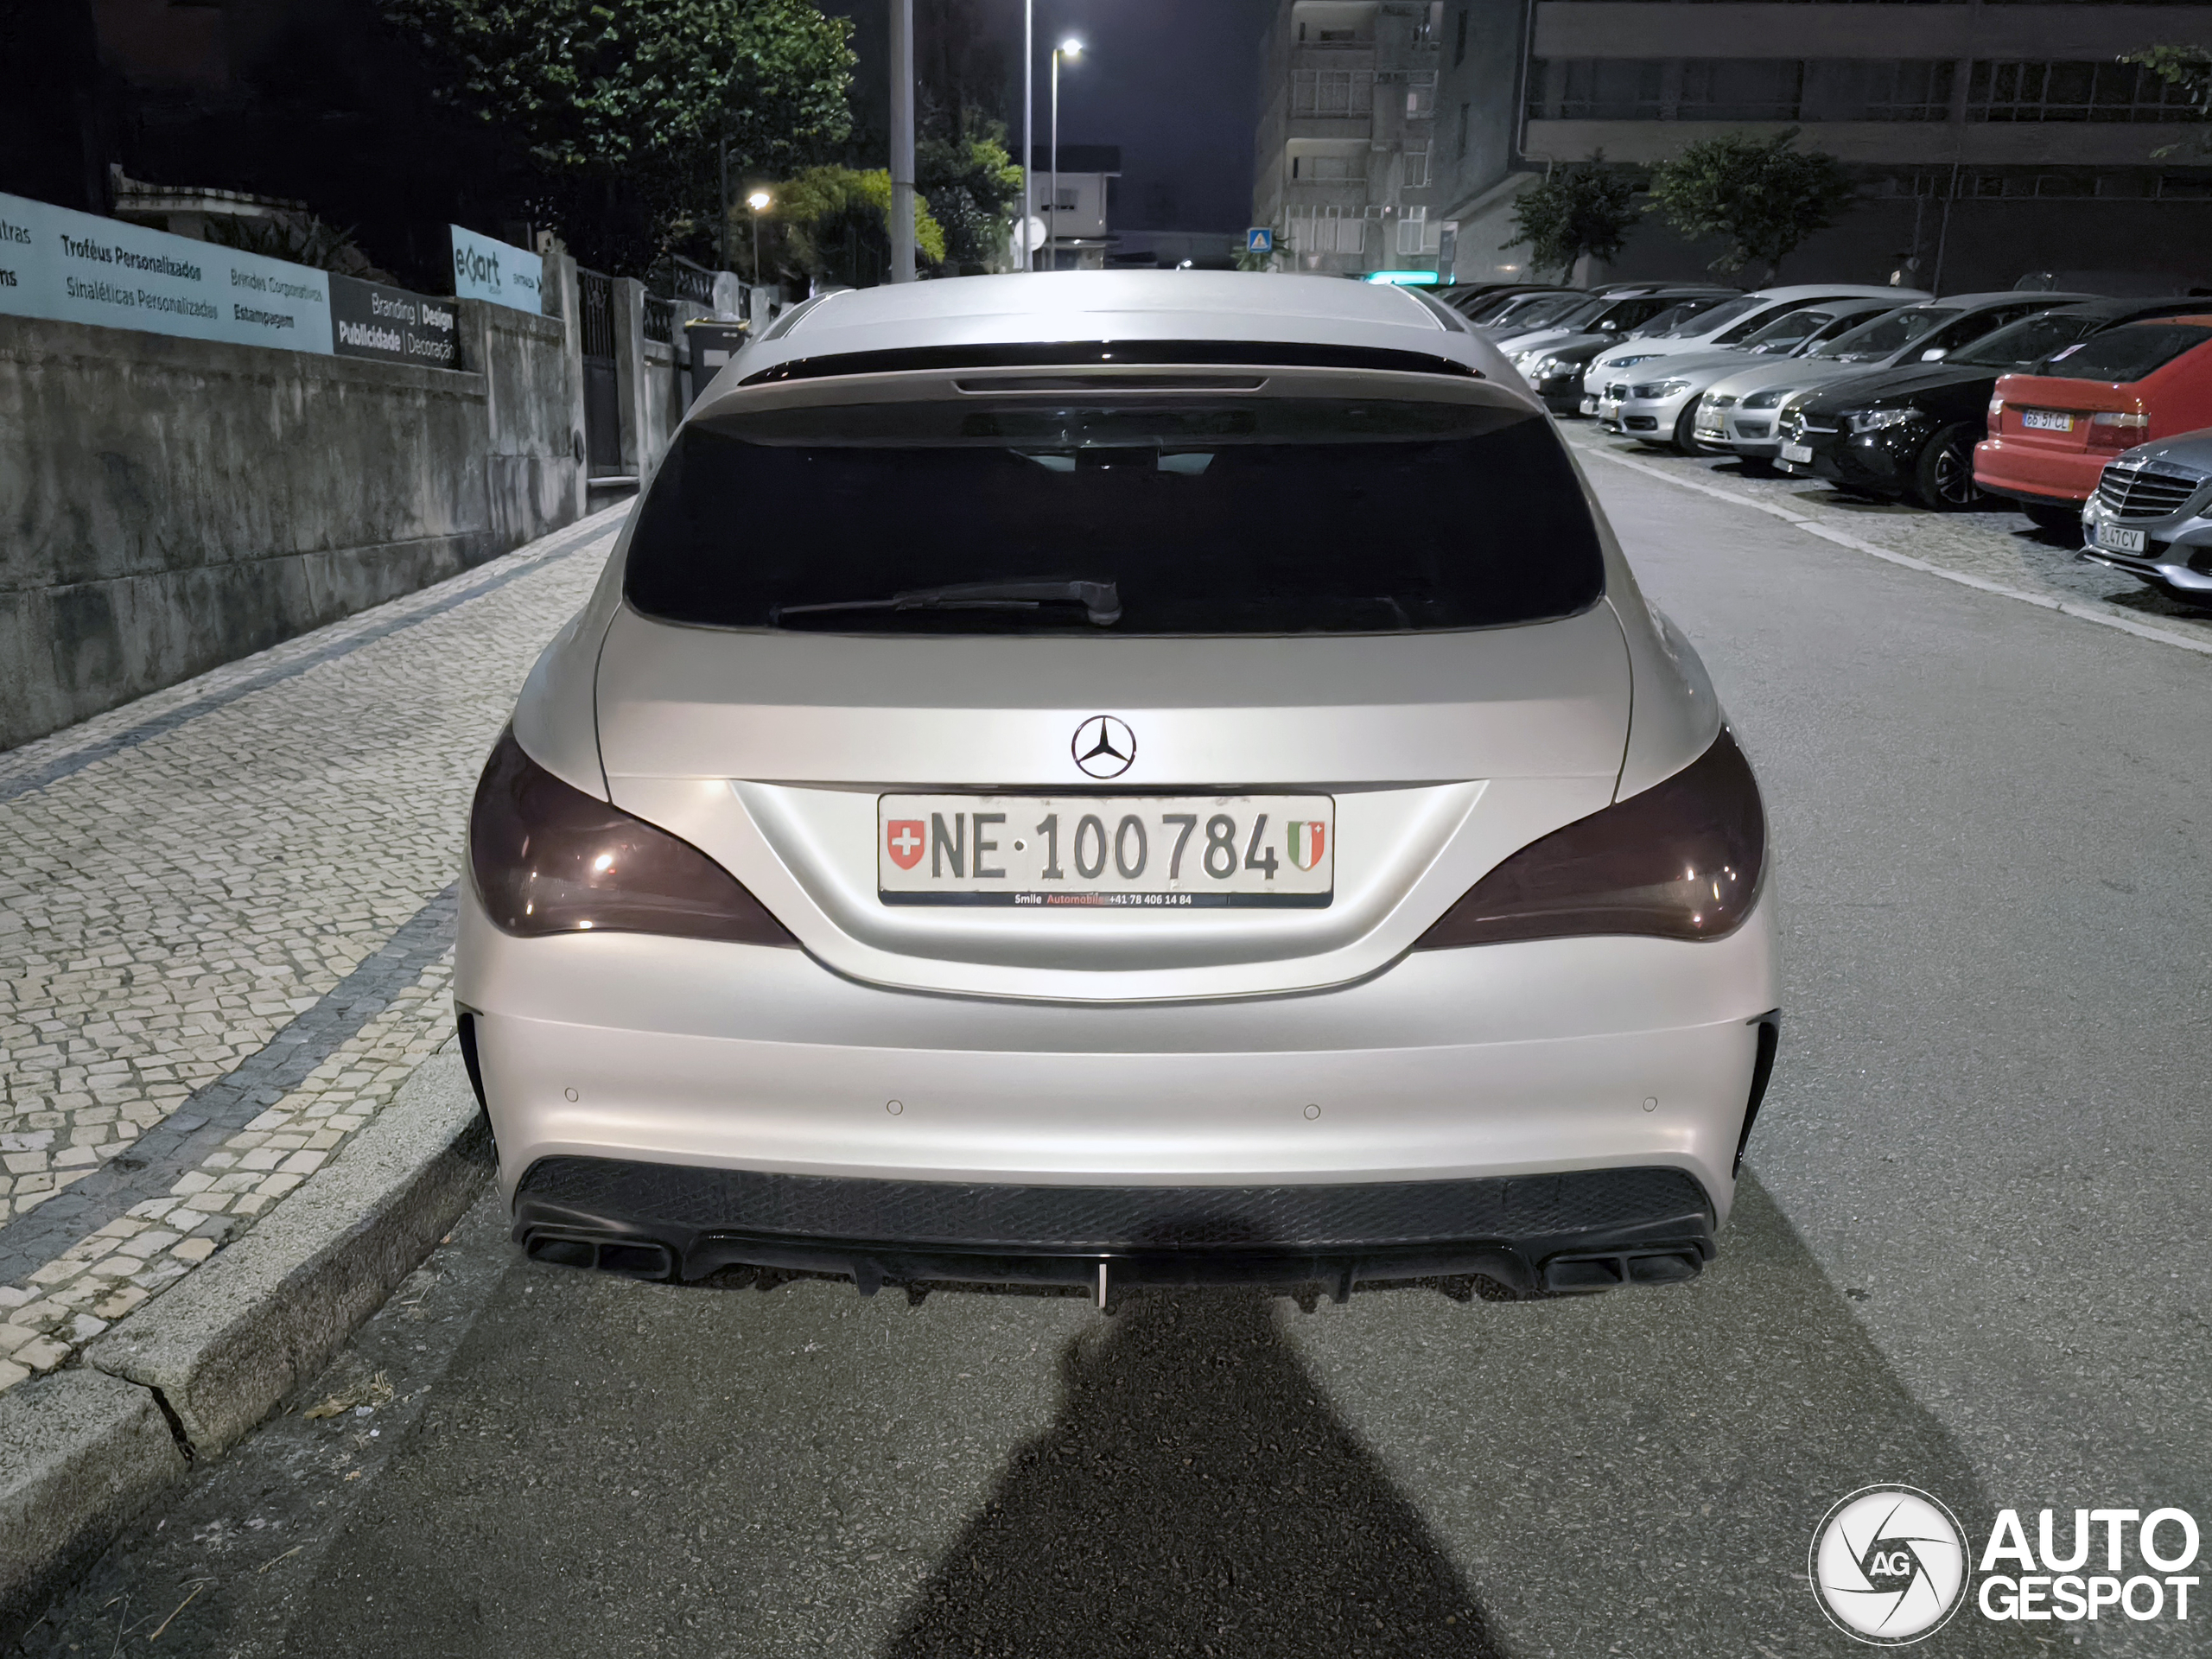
(1228, 1514)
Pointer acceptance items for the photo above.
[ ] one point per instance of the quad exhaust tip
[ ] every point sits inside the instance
(631, 1258)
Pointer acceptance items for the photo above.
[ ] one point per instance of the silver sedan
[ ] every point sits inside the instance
(1115, 778)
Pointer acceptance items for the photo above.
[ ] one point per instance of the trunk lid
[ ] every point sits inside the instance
(1442, 753)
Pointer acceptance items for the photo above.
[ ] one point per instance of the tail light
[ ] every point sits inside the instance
(1680, 860)
(547, 859)
(2109, 429)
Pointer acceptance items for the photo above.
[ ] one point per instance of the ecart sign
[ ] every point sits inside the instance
(73, 267)
(369, 320)
(498, 271)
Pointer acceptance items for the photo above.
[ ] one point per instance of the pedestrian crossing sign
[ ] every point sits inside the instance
(1259, 239)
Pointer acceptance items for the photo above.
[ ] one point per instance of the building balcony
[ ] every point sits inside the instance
(1638, 29)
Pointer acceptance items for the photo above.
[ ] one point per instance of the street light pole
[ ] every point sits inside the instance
(902, 140)
(757, 201)
(1028, 120)
(1069, 48)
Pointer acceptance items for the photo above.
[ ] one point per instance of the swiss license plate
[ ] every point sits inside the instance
(2046, 420)
(1589, 405)
(1800, 453)
(1152, 852)
(2119, 540)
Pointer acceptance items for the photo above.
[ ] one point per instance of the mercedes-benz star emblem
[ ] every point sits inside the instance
(1104, 746)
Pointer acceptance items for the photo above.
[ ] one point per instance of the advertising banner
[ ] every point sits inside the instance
(389, 324)
(498, 271)
(73, 267)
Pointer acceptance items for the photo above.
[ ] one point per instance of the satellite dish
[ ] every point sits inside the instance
(1038, 234)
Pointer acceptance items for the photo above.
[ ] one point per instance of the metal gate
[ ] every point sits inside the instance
(602, 413)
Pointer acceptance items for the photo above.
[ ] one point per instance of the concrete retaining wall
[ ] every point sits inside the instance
(167, 506)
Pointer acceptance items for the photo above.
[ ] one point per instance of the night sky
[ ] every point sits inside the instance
(1175, 83)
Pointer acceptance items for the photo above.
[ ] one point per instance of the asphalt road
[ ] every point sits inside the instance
(1971, 1257)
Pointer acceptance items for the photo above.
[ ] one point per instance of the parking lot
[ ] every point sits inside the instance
(1969, 1254)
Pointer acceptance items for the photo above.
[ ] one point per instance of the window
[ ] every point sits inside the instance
(1328, 230)
(2127, 353)
(1465, 120)
(1063, 201)
(1417, 164)
(1898, 89)
(1740, 89)
(1413, 229)
(1421, 95)
(1327, 94)
(2073, 91)
(1246, 515)
(1460, 40)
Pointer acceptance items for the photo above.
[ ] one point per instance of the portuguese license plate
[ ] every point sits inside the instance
(1800, 453)
(2119, 540)
(2046, 420)
(1148, 852)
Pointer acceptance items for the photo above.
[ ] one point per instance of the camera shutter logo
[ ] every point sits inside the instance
(1889, 1565)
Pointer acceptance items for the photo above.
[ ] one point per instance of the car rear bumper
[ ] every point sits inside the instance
(1590, 1230)
(2043, 478)
(1495, 1062)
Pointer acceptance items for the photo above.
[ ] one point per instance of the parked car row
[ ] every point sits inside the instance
(2093, 416)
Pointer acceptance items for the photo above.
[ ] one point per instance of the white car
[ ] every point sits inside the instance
(1722, 327)
(1118, 777)
(1678, 379)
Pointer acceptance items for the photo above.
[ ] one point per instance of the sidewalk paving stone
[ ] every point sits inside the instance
(196, 872)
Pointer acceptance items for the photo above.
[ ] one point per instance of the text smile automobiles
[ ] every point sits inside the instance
(1004, 815)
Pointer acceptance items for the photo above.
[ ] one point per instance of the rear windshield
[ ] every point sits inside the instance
(1206, 514)
(2018, 345)
(1672, 317)
(1721, 316)
(1884, 336)
(1789, 329)
(1541, 309)
(2127, 353)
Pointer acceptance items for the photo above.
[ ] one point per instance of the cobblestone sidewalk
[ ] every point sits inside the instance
(203, 987)
(1997, 546)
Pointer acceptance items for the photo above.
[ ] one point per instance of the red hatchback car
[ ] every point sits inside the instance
(2051, 433)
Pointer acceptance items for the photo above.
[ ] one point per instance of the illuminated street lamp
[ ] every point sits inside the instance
(757, 201)
(1070, 47)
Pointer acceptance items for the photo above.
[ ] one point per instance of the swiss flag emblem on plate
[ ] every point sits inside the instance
(905, 839)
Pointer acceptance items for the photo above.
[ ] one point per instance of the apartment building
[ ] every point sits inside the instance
(1344, 170)
(1989, 138)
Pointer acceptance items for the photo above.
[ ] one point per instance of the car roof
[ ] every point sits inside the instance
(1809, 291)
(2006, 296)
(1082, 307)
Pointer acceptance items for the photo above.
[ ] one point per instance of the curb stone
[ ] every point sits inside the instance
(233, 1339)
(82, 1452)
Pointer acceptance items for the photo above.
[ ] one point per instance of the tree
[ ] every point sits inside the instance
(837, 223)
(1582, 209)
(973, 189)
(624, 105)
(1763, 196)
(2188, 67)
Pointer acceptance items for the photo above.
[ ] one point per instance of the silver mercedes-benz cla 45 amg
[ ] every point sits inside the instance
(1116, 778)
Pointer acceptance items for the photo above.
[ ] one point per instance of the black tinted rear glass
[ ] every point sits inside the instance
(2019, 344)
(1209, 515)
(2128, 353)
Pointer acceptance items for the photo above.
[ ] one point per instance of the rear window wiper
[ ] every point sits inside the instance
(1101, 600)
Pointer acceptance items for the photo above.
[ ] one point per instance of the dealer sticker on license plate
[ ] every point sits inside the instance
(2046, 420)
(1161, 852)
(2119, 540)
(1800, 453)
